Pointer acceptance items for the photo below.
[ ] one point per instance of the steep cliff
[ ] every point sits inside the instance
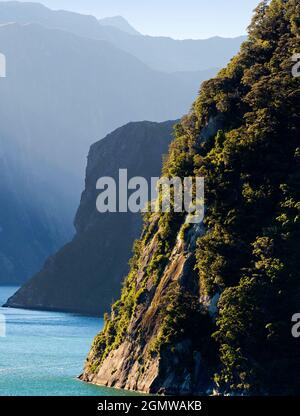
(208, 307)
(92, 266)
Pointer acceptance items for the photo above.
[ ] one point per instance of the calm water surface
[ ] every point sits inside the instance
(43, 352)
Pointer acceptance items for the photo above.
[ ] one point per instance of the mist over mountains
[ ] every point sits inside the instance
(33, 223)
(70, 80)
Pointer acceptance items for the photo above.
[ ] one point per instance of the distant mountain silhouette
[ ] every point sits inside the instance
(160, 53)
(119, 23)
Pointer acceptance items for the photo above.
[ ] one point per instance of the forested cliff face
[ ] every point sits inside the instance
(208, 307)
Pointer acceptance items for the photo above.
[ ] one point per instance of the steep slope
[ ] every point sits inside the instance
(160, 53)
(119, 23)
(92, 266)
(61, 93)
(170, 55)
(208, 307)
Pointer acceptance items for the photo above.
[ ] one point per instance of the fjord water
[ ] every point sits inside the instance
(43, 352)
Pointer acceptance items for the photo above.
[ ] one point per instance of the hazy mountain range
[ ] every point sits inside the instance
(160, 53)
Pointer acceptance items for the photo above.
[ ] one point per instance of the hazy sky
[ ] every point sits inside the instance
(176, 18)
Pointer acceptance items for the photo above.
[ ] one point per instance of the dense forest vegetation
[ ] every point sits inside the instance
(248, 258)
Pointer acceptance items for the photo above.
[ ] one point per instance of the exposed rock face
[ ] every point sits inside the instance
(92, 266)
(134, 365)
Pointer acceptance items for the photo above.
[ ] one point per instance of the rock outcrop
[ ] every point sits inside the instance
(135, 364)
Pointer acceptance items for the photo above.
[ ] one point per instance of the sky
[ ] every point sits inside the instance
(180, 19)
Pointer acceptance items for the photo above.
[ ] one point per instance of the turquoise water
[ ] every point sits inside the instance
(43, 352)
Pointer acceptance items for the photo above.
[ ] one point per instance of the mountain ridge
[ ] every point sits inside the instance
(158, 53)
(120, 23)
